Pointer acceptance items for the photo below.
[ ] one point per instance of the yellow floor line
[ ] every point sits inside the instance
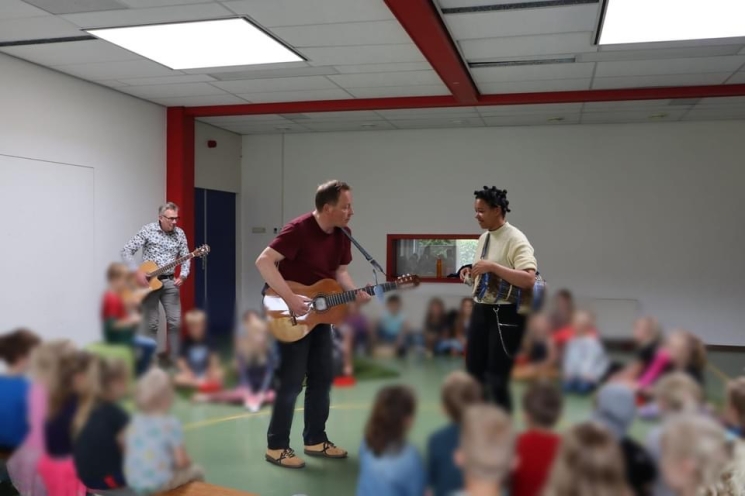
(718, 372)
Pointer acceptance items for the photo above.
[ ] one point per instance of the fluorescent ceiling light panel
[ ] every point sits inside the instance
(195, 45)
(645, 21)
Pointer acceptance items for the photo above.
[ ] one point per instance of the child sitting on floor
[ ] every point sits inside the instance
(647, 335)
(585, 361)
(389, 464)
(199, 364)
(155, 459)
(538, 354)
(98, 449)
(459, 391)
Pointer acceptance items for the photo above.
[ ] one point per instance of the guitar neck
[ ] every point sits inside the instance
(349, 296)
(179, 261)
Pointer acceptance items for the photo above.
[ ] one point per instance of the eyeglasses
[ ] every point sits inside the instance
(172, 219)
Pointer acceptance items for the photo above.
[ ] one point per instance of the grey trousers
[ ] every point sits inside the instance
(169, 297)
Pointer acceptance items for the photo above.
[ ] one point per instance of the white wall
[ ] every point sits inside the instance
(631, 212)
(62, 122)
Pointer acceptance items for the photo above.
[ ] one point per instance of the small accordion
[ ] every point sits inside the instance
(492, 290)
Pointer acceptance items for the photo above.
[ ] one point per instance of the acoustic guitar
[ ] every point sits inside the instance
(152, 271)
(328, 305)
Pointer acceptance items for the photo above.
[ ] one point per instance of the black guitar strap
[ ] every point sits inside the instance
(373, 262)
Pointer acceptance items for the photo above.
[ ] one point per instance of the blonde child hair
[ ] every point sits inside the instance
(487, 443)
(253, 340)
(195, 316)
(154, 389)
(736, 401)
(701, 444)
(72, 364)
(459, 391)
(589, 463)
(677, 392)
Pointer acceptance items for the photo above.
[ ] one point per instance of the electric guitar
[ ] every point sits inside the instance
(328, 305)
(152, 271)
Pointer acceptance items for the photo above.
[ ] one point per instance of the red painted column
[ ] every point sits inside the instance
(180, 184)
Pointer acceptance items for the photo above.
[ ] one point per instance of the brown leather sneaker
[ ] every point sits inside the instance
(284, 458)
(326, 450)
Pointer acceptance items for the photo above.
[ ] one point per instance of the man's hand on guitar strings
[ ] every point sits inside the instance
(141, 278)
(299, 304)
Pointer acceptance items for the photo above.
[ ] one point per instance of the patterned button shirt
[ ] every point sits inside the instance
(158, 246)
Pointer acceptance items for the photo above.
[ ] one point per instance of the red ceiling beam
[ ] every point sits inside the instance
(424, 25)
(351, 105)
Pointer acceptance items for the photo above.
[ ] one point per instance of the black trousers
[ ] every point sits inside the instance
(492, 330)
(311, 356)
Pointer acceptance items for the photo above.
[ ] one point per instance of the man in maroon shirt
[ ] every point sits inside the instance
(308, 249)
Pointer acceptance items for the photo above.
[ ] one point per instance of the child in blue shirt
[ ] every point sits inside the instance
(15, 350)
(389, 464)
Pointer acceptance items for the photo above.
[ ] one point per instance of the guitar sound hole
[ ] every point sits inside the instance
(320, 304)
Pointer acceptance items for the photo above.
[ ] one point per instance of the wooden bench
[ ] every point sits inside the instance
(204, 489)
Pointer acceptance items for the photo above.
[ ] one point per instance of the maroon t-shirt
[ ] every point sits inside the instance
(311, 254)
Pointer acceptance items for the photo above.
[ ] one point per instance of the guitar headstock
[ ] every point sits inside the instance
(201, 251)
(407, 281)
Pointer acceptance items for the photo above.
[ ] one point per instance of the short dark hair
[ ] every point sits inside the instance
(17, 345)
(494, 197)
(543, 403)
(386, 427)
(328, 193)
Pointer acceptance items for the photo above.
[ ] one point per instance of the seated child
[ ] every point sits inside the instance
(538, 356)
(486, 452)
(589, 463)
(647, 335)
(56, 465)
(15, 350)
(437, 328)
(392, 327)
(696, 456)
(121, 318)
(155, 459)
(389, 464)
(675, 394)
(22, 466)
(199, 365)
(255, 362)
(99, 427)
(537, 446)
(615, 409)
(585, 361)
(459, 391)
(734, 409)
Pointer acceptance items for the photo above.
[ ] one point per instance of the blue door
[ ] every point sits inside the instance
(215, 282)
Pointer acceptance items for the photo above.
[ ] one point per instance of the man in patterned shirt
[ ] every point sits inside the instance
(162, 242)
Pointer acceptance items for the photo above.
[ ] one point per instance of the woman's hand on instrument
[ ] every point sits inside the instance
(464, 273)
(482, 267)
(299, 304)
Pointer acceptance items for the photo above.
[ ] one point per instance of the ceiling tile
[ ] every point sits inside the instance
(274, 13)
(544, 109)
(368, 54)
(672, 66)
(16, 9)
(720, 113)
(386, 79)
(671, 114)
(725, 100)
(266, 128)
(242, 119)
(396, 91)
(526, 46)
(395, 67)
(660, 81)
(146, 4)
(297, 96)
(532, 72)
(278, 84)
(148, 16)
(668, 53)
(742, 52)
(454, 4)
(535, 86)
(74, 52)
(330, 126)
(453, 123)
(76, 6)
(32, 28)
(173, 90)
(577, 18)
(187, 78)
(532, 120)
(639, 105)
(738, 78)
(247, 68)
(117, 70)
(361, 115)
(348, 34)
(306, 70)
(673, 44)
(195, 101)
(429, 113)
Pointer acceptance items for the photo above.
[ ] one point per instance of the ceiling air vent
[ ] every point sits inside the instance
(536, 4)
(514, 63)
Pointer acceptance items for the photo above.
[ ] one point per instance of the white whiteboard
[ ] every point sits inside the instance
(47, 249)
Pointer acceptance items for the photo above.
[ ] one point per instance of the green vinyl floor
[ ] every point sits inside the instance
(229, 442)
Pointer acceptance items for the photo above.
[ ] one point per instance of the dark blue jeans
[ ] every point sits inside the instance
(311, 356)
(579, 386)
